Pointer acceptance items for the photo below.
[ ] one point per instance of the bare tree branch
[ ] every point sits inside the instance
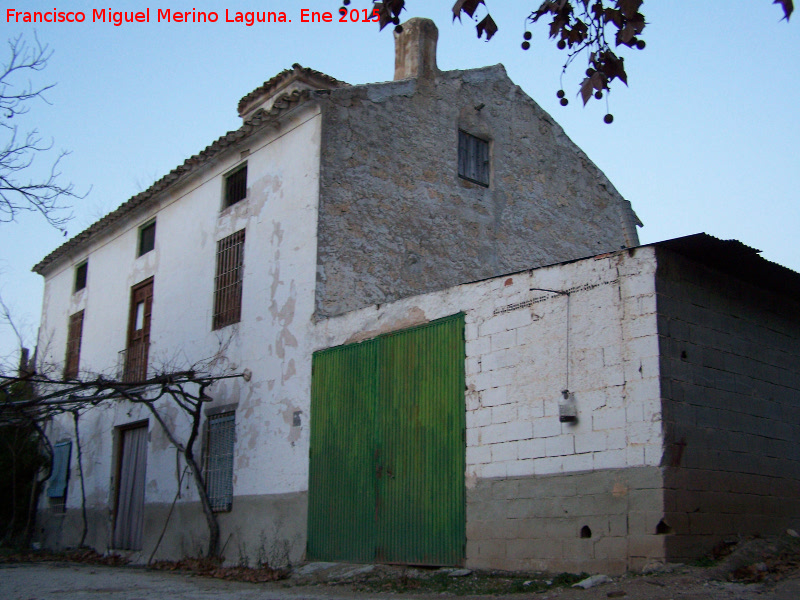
(186, 389)
(43, 194)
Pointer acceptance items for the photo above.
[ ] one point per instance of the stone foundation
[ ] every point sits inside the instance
(598, 521)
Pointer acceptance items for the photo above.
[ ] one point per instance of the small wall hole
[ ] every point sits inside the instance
(586, 532)
(662, 528)
(684, 355)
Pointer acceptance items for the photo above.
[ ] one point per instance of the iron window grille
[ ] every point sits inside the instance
(74, 336)
(473, 158)
(80, 275)
(236, 186)
(228, 280)
(147, 238)
(219, 460)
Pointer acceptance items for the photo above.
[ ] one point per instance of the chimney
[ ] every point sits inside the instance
(415, 49)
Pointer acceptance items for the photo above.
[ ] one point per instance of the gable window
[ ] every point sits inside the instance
(473, 158)
(80, 275)
(74, 335)
(219, 463)
(147, 238)
(59, 477)
(138, 348)
(228, 280)
(236, 186)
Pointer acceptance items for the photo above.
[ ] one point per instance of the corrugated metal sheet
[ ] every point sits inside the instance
(341, 512)
(387, 448)
(421, 422)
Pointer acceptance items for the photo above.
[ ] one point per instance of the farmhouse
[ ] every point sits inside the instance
(457, 351)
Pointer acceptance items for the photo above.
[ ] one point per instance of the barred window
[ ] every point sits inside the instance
(219, 463)
(228, 280)
(473, 158)
(147, 238)
(74, 335)
(80, 275)
(236, 186)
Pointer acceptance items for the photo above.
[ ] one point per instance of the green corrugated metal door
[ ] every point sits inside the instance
(341, 523)
(400, 490)
(421, 445)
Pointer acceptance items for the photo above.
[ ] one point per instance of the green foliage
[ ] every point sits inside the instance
(579, 28)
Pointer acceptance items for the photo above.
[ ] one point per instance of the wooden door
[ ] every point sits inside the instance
(139, 332)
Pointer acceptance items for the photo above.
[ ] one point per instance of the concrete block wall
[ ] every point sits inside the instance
(600, 472)
(730, 368)
(533, 483)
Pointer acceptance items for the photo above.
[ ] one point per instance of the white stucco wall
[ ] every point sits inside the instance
(272, 340)
(516, 364)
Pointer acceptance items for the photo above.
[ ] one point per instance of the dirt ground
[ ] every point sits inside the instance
(752, 569)
(66, 581)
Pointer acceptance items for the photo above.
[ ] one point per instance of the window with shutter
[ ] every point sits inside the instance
(74, 335)
(59, 477)
(147, 238)
(236, 186)
(473, 158)
(138, 348)
(80, 275)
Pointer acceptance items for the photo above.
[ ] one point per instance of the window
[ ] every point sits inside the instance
(147, 238)
(473, 158)
(236, 186)
(57, 489)
(219, 463)
(228, 281)
(74, 335)
(136, 353)
(80, 275)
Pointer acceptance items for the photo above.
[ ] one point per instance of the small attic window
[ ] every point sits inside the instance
(80, 275)
(473, 158)
(236, 186)
(147, 238)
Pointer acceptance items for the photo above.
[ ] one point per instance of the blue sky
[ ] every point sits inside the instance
(704, 138)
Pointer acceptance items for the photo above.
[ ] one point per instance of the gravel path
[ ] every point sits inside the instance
(67, 581)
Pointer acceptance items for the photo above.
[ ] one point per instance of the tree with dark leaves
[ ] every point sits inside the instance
(579, 27)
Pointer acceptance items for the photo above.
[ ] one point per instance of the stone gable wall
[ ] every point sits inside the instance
(395, 219)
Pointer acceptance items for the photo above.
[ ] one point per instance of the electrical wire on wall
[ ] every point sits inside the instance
(567, 409)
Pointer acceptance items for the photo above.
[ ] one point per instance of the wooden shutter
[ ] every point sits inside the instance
(473, 158)
(57, 488)
(139, 332)
(236, 186)
(74, 336)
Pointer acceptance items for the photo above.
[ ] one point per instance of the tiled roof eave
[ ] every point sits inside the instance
(260, 120)
(297, 71)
